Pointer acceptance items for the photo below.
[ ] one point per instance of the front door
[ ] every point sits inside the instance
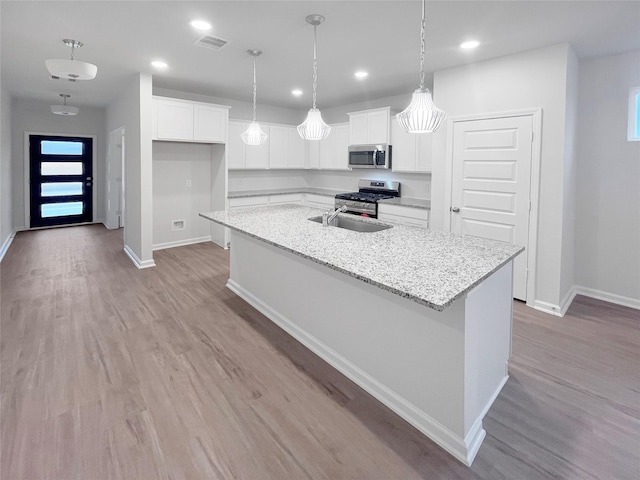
(491, 175)
(61, 188)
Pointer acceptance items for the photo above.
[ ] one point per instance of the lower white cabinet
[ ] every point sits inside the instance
(417, 217)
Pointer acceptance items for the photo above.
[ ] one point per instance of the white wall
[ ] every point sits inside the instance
(528, 80)
(339, 114)
(132, 110)
(608, 193)
(6, 214)
(182, 184)
(29, 115)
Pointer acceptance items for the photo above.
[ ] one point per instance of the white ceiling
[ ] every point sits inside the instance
(381, 37)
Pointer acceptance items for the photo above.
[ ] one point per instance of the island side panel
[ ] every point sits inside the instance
(489, 314)
(408, 356)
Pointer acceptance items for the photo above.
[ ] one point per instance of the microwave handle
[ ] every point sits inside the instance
(376, 152)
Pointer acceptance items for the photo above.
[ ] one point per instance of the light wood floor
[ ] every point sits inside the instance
(112, 372)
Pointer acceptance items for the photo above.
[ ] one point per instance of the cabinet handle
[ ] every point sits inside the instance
(455, 209)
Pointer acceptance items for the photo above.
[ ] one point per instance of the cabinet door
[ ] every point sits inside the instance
(296, 156)
(340, 147)
(312, 151)
(378, 127)
(358, 129)
(235, 146)
(326, 151)
(278, 146)
(257, 156)
(404, 149)
(175, 120)
(423, 160)
(210, 124)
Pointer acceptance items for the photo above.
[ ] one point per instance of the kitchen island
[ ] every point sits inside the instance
(420, 319)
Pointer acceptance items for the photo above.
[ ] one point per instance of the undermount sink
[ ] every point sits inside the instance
(353, 224)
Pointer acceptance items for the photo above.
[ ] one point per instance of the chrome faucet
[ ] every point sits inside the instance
(328, 218)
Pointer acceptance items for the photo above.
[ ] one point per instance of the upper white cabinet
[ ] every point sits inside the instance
(411, 151)
(184, 121)
(369, 126)
(241, 156)
(286, 147)
(334, 149)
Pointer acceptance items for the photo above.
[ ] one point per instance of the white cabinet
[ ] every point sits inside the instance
(320, 201)
(417, 217)
(369, 126)
(411, 151)
(184, 121)
(241, 156)
(286, 149)
(333, 152)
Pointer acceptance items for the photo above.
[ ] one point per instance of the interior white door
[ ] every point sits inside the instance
(491, 182)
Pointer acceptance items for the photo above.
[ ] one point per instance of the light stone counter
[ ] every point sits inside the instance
(408, 202)
(429, 267)
(283, 191)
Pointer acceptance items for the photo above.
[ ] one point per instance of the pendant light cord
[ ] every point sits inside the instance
(255, 89)
(315, 65)
(422, 29)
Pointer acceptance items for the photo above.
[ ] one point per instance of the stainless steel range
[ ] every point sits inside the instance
(365, 200)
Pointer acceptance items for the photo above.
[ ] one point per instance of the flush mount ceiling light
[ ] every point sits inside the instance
(64, 109)
(254, 135)
(314, 128)
(469, 45)
(71, 69)
(201, 25)
(422, 115)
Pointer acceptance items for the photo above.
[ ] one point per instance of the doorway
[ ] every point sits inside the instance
(494, 162)
(61, 180)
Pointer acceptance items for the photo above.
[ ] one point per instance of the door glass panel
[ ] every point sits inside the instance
(61, 188)
(49, 210)
(57, 147)
(61, 168)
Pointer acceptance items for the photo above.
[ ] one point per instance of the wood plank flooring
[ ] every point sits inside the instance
(109, 372)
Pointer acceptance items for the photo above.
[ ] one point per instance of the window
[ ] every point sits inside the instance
(633, 133)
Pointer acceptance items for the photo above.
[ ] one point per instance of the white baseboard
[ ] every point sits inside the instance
(560, 310)
(136, 261)
(608, 297)
(181, 243)
(6, 244)
(464, 449)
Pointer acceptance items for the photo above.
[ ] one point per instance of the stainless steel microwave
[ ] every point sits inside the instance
(370, 156)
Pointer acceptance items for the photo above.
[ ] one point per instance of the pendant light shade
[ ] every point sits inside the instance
(64, 109)
(254, 135)
(314, 128)
(71, 69)
(422, 115)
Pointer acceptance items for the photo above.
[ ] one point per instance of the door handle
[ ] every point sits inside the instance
(455, 209)
(88, 184)
(88, 178)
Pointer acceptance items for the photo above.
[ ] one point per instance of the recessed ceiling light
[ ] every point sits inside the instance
(469, 44)
(200, 25)
(159, 64)
(297, 92)
(361, 74)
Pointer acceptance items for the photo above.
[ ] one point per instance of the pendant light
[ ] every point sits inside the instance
(71, 69)
(314, 128)
(254, 134)
(64, 109)
(422, 115)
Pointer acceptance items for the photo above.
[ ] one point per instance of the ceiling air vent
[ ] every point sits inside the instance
(214, 43)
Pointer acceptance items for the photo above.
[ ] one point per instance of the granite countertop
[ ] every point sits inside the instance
(283, 191)
(329, 192)
(408, 202)
(430, 267)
